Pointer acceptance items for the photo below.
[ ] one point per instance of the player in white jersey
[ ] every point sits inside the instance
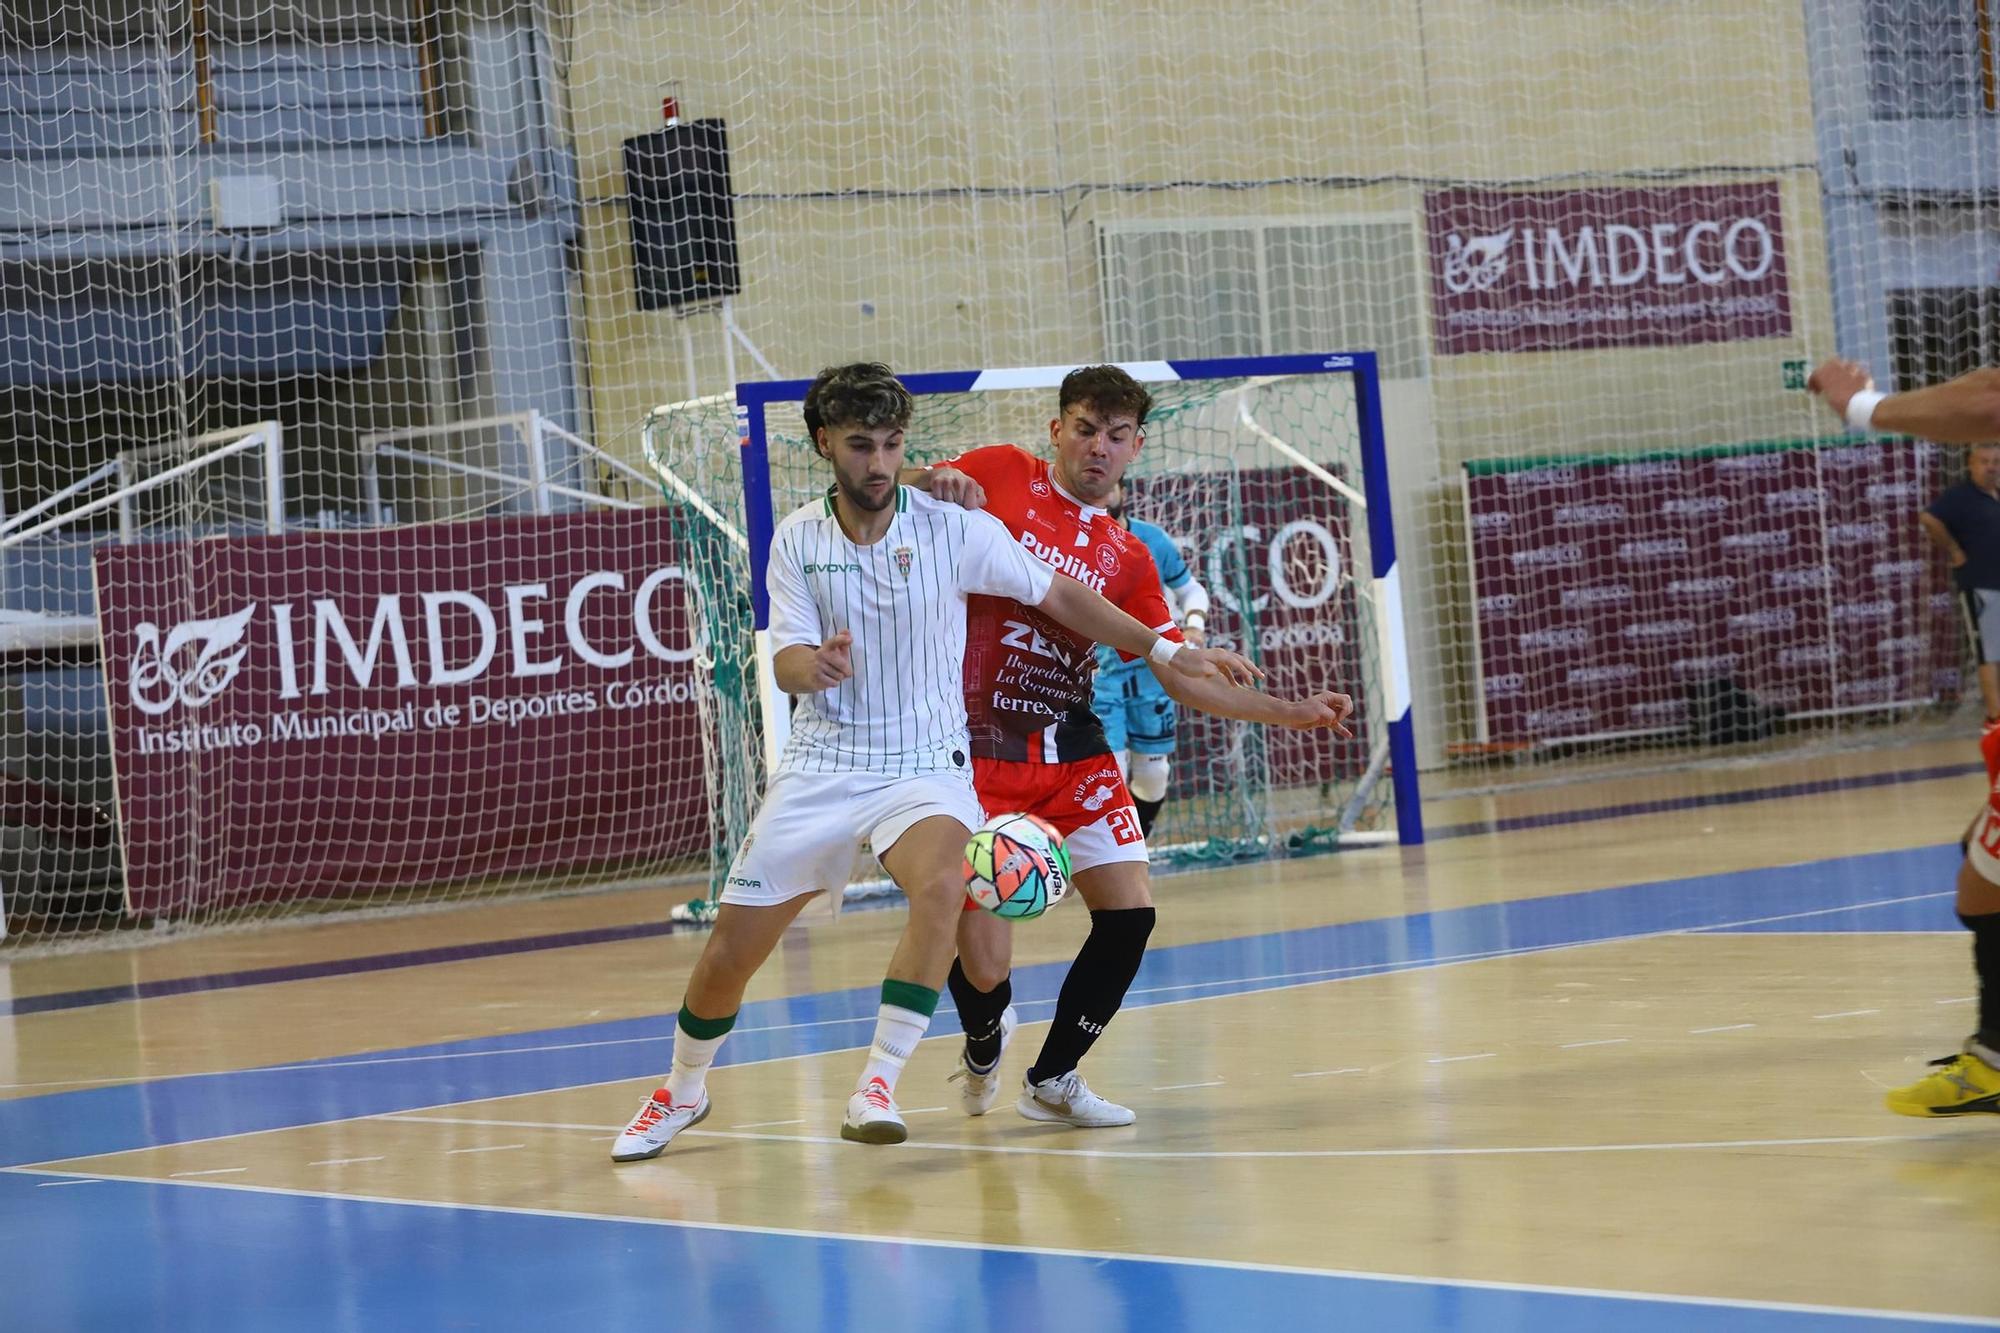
(868, 592)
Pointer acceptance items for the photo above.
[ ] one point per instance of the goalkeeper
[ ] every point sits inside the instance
(1138, 715)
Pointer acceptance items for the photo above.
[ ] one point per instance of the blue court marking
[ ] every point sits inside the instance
(265, 976)
(91, 1121)
(122, 1254)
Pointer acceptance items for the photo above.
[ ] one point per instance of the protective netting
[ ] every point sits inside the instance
(462, 229)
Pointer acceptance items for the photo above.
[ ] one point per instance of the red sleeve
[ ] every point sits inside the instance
(1138, 595)
(991, 464)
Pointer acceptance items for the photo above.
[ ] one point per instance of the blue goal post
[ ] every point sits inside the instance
(1390, 680)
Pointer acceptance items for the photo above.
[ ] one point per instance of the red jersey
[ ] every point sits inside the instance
(1027, 678)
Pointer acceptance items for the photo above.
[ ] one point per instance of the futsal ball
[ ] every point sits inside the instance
(1016, 867)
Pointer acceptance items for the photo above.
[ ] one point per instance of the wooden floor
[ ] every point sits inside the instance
(1564, 1067)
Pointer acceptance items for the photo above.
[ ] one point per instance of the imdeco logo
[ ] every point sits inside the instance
(190, 665)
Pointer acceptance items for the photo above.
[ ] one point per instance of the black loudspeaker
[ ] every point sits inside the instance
(683, 215)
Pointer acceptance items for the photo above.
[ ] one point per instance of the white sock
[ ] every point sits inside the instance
(692, 1057)
(897, 1032)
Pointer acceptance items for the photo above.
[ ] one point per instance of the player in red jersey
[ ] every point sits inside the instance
(1038, 748)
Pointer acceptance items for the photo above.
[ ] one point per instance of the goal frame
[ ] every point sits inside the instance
(1385, 587)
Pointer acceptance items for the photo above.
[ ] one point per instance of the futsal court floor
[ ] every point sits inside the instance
(1603, 1056)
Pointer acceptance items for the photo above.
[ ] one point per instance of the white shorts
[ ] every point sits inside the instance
(805, 837)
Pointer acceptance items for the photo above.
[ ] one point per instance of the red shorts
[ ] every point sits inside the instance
(1086, 801)
(1983, 851)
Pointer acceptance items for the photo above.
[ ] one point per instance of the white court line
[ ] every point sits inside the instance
(1601, 1041)
(1847, 1013)
(917, 1110)
(1176, 1087)
(504, 1147)
(217, 1171)
(1963, 999)
(1178, 1155)
(757, 1124)
(1454, 1059)
(57, 1184)
(1726, 1027)
(1099, 1256)
(1325, 1073)
(346, 1161)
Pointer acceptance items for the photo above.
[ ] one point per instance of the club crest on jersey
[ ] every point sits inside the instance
(1107, 559)
(1039, 487)
(1095, 791)
(905, 557)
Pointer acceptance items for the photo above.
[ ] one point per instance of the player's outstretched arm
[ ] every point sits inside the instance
(1089, 614)
(803, 669)
(1327, 709)
(1961, 411)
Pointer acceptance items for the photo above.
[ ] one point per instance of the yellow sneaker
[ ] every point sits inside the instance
(1963, 1084)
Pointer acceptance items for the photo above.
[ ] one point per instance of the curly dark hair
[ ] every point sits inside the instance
(863, 393)
(1108, 389)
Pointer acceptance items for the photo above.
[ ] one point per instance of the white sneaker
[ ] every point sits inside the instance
(872, 1116)
(977, 1092)
(1068, 1100)
(655, 1126)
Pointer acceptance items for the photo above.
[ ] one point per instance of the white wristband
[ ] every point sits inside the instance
(1163, 650)
(1861, 409)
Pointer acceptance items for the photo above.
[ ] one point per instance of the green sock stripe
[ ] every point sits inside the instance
(909, 995)
(703, 1029)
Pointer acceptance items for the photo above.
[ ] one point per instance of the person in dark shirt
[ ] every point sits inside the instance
(1964, 523)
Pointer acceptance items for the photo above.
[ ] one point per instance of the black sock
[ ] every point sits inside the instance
(1094, 988)
(1148, 811)
(979, 1014)
(1985, 930)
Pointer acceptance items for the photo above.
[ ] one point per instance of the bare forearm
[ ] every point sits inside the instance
(792, 668)
(1961, 411)
(1226, 699)
(1940, 536)
(1086, 612)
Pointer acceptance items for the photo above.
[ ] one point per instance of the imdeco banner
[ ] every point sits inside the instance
(1560, 270)
(1609, 592)
(324, 714)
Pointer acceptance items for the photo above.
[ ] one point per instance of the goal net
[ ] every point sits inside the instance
(1593, 249)
(1270, 477)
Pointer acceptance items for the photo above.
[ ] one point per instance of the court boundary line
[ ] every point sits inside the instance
(1176, 1155)
(1162, 1260)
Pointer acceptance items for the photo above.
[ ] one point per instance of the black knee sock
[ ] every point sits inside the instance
(1094, 988)
(1148, 811)
(979, 1014)
(1985, 930)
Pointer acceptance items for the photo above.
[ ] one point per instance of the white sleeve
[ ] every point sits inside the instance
(992, 562)
(1191, 598)
(794, 615)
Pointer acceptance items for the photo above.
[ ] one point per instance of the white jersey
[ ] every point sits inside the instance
(903, 598)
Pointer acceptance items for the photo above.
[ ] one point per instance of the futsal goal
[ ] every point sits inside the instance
(1269, 472)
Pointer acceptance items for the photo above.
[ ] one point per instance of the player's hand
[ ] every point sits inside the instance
(831, 662)
(1196, 636)
(1957, 556)
(1201, 663)
(1327, 710)
(1837, 382)
(954, 487)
